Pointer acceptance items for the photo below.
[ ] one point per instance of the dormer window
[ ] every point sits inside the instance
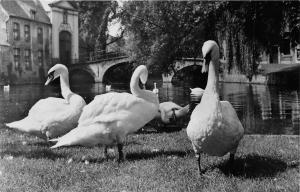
(32, 14)
(65, 17)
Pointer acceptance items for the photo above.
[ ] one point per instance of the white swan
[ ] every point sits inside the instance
(6, 88)
(110, 117)
(155, 90)
(53, 117)
(171, 112)
(214, 127)
(197, 92)
(108, 88)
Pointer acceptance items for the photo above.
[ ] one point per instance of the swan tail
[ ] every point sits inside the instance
(55, 140)
(24, 125)
(56, 146)
(87, 136)
(71, 138)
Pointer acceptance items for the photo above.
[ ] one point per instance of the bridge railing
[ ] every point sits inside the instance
(100, 55)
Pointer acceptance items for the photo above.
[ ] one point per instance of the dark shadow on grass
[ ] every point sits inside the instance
(16, 150)
(150, 155)
(254, 166)
(160, 129)
(41, 144)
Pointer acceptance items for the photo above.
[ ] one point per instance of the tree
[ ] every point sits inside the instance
(93, 21)
(250, 27)
(158, 32)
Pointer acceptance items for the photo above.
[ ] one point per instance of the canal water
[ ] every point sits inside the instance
(262, 109)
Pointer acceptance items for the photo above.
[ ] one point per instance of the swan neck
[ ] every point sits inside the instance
(65, 85)
(134, 84)
(213, 77)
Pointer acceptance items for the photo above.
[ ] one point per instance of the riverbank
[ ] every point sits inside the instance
(154, 162)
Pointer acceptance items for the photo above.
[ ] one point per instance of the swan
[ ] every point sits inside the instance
(214, 127)
(6, 88)
(108, 88)
(170, 112)
(197, 92)
(110, 117)
(53, 117)
(155, 90)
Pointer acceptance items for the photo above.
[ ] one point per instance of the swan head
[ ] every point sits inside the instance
(210, 51)
(141, 72)
(55, 72)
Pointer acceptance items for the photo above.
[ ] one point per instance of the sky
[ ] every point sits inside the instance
(113, 27)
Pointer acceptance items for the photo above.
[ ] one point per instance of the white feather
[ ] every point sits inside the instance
(52, 117)
(165, 111)
(197, 92)
(214, 127)
(110, 117)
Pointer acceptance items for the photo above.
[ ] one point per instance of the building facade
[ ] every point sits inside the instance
(64, 19)
(32, 40)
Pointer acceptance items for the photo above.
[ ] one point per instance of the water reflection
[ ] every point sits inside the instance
(261, 109)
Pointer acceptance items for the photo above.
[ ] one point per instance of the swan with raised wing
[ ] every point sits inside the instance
(214, 127)
(53, 117)
(196, 92)
(110, 117)
(170, 112)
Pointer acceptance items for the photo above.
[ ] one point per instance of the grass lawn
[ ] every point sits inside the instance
(153, 162)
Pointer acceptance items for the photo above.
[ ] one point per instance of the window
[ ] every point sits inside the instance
(285, 44)
(27, 33)
(65, 17)
(32, 14)
(40, 58)
(40, 35)
(17, 58)
(16, 31)
(27, 59)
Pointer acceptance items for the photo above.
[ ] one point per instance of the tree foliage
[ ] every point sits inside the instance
(160, 31)
(93, 21)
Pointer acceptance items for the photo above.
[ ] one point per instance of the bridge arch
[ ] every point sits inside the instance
(81, 75)
(179, 65)
(119, 72)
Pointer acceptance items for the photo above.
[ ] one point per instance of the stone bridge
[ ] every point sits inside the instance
(96, 69)
(180, 64)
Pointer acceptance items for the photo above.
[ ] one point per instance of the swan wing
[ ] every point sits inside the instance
(168, 106)
(108, 119)
(225, 132)
(88, 136)
(118, 107)
(45, 107)
(55, 115)
(231, 121)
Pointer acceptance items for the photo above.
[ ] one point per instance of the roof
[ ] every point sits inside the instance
(60, 4)
(21, 8)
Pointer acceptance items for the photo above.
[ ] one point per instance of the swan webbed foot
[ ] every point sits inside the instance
(120, 151)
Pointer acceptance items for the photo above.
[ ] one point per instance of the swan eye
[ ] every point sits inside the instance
(208, 56)
(51, 75)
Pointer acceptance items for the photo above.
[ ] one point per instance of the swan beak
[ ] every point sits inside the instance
(204, 67)
(50, 78)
